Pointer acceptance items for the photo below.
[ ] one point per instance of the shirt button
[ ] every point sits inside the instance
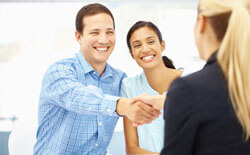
(108, 110)
(96, 144)
(89, 108)
(100, 123)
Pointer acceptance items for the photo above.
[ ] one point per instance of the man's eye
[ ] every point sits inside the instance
(151, 42)
(110, 32)
(94, 33)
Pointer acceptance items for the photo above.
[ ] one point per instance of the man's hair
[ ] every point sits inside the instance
(89, 10)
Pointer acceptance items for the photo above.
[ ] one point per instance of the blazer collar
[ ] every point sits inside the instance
(212, 58)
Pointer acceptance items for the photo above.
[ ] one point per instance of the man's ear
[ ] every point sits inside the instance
(163, 46)
(78, 36)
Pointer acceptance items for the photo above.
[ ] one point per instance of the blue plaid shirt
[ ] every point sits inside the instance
(77, 108)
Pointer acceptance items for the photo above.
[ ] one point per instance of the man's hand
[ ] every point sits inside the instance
(155, 101)
(137, 111)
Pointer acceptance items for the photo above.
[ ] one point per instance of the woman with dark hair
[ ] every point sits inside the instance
(145, 45)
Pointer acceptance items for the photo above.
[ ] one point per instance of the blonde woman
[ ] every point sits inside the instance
(208, 112)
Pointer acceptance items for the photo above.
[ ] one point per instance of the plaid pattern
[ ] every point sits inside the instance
(77, 108)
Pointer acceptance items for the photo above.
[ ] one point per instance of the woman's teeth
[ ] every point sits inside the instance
(147, 58)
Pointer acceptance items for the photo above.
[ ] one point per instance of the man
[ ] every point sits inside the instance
(79, 104)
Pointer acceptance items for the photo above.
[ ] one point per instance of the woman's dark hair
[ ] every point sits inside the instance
(168, 63)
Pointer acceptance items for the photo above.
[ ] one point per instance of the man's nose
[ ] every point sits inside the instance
(103, 39)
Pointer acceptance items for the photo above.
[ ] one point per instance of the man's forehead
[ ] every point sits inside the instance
(97, 17)
(102, 28)
(98, 21)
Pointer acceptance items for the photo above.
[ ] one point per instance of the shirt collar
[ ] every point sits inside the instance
(84, 63)
(107, 72)
(87, 68)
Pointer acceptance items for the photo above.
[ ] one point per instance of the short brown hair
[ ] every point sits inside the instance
(88, 10)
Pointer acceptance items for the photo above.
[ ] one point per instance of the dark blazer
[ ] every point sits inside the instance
(199, 117)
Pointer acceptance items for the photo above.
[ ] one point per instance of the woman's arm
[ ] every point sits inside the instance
(131, 138)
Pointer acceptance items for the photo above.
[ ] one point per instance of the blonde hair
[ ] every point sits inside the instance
(234, 53)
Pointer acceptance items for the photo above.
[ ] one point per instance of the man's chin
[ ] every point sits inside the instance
(101, 61)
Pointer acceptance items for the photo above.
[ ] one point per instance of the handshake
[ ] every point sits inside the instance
(142, 109)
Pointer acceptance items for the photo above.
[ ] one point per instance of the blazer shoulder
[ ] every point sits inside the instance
(208, 75)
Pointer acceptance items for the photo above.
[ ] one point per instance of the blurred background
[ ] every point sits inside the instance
(36, 33)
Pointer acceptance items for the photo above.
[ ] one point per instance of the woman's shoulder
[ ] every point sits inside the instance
(132, 86)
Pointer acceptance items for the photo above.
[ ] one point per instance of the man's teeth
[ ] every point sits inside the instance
(102, 49)
(148, 57)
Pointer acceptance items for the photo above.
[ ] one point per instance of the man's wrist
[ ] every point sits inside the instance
(121, 106)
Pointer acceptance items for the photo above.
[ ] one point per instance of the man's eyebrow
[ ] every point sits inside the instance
(94, 29)
(110, 29)
(150, 37)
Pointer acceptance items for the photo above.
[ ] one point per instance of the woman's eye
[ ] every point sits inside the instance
(137, 45)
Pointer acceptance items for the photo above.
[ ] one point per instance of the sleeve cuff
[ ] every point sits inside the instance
(108, 106)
